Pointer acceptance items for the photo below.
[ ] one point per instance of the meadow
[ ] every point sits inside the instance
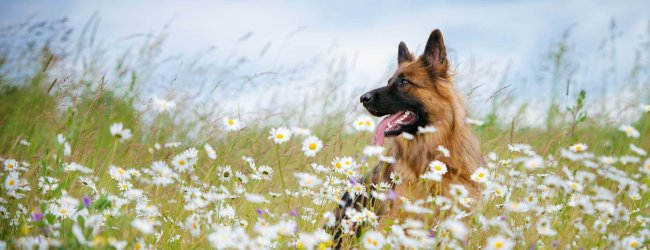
(91, 164)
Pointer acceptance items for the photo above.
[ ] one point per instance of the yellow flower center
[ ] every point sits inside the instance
(312, 146)
(181, 162)
(63, 211)
(12, 182)
(481, 174)
(231, 122)
(574, 185)
(368, 123)
(360, 123)
(578, 148)
(498, 244)
(348, 163)
(437, 168)
(338, 165)
(633, 243)
(10, 166)
(279, 136)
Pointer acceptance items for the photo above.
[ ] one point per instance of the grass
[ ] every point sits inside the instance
(36, 109)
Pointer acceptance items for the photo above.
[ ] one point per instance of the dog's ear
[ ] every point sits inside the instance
(435, 54)
(403, 54)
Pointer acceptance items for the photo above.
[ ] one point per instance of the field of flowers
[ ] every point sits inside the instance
(85, 165)
(95, 175)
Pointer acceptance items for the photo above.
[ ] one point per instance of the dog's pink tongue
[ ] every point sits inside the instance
(378, 140)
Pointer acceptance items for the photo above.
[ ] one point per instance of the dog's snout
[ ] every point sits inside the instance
(365, 98)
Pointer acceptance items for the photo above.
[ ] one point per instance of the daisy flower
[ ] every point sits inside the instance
(444, 151)
(480, 175)
(646, 166)
(231, 124)
(372, 150)
(580, 147)
(630, 131)
(395, 178)
(608, 160)
(255, 198)
(638, 150)
(373, 240)
(534, 163)
(631, 242)
(457, 229)
(144, 226)
(499, 243)
(119, 132)
(280, 135)
(163, 105)
(407, 136)
(458, 191)
(432, 176)
(210, 151)
(10, 165)
(12, 181)
(438, 167)
(364, 123)
(265, 172)
(427, 129)
(307, 180)
(311, 145)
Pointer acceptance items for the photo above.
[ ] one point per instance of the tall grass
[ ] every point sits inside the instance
(39, 100)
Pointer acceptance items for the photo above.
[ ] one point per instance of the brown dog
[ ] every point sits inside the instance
(419, 94)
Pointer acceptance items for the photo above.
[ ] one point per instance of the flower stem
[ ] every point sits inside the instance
(284, 186)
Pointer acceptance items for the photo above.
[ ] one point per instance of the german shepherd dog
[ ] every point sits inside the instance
(419, 94)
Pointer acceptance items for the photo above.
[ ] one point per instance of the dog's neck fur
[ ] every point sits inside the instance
(454, 134)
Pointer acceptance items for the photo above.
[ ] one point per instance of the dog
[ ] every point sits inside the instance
(420, 94)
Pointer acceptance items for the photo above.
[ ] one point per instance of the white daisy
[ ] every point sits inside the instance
(144, 226)
(255, 198)
(395, 178)
(480, 175)
(231, 124)
(373, 240)
(372, 150)
(210, 151)
(11, 165)
(311, 145)
(458, 191)
(307, 180)
(12, 181)
(438, 167)
(444, 151)
(364, 123)
(427, 129)
(638, 150)
(119, 132)
(499, 243)
(577, 148)
(163, 105)
(630, 131)
(280, 135)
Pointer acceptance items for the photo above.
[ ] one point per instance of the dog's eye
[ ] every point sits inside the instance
(402, 82)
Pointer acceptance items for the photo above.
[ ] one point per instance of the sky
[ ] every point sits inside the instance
(496, 34)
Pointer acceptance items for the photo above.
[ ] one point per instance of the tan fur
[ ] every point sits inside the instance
(446, 111)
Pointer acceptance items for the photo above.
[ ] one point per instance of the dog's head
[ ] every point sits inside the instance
(419, 93)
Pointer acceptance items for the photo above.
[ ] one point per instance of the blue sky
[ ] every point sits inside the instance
(495, 33)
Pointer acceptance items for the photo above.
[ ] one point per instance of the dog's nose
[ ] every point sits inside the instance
(365, 98)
